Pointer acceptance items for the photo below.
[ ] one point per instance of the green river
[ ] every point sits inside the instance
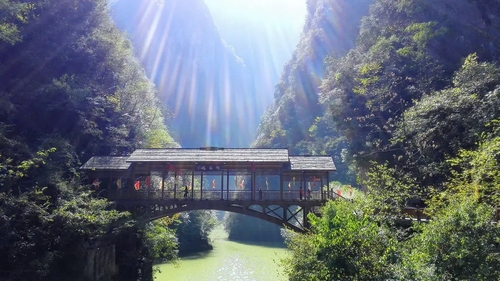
(228, 261)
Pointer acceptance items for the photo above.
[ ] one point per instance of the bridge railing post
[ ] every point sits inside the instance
(281, 185)
(162, 185)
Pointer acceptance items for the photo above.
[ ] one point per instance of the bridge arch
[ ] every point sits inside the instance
(291, 215)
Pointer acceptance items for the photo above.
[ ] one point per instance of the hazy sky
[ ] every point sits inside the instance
(281, 12)
(263, 32)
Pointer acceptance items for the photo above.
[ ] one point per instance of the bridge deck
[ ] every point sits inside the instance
(235, 195)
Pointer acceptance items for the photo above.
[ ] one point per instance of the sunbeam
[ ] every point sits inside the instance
(217, 74)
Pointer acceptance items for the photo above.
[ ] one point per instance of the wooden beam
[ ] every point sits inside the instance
(163, 185)
(222, 185)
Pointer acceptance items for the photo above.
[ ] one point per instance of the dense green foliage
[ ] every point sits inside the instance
(39, 238)
(444, 122)
(378, 101)
(70, 88)
(193, 229)
(361, 240)
(353, 241)
(415, 106)
(345, 244)
(370, 93)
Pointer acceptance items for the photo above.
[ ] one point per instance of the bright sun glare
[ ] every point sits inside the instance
(263, 33)
(281, 11)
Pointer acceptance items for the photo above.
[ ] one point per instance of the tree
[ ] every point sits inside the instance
(41, 237)
(78, 80)
(461, 240)
(193, 229)
(444, 122)
(405, 49)
(343, 244)
(459, 243)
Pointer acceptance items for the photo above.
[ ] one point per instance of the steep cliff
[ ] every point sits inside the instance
(297, 119)
(330, 30)
(203, 82)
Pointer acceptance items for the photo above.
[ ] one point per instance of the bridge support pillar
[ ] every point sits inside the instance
(162, 185)
(281, 186)
(306, 220)
(327, 185)
(222, 185)
(176, 181)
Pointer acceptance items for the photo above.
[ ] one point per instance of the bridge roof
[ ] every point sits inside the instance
(307, 162)
(189, 156)
(107, 163)
(216, 155)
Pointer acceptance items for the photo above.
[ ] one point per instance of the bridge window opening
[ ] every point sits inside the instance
(169, 186)
(240, 185)
(313, 187)
(291, 186)
(270, 185)
(197, 186)
(212, 185)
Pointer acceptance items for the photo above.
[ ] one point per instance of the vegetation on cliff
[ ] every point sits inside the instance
(414, 105)
(70, 88)
(364, 240)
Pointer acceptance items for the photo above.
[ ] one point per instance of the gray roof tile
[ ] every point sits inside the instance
(209, 155)
(324, 163)
(107, 163)
(228, 155)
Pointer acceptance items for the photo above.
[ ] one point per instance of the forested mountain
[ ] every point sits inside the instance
(415, 106)
(201, 79)
(355, 99)
(77, 81)
(264, 38)
(70, 88)
(413, 52)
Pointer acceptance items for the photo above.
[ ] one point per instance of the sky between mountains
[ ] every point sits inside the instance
(215, 103)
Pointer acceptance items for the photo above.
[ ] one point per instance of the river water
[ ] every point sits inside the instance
(228, 261)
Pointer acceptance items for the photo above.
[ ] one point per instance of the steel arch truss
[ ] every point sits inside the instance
(292, 215)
